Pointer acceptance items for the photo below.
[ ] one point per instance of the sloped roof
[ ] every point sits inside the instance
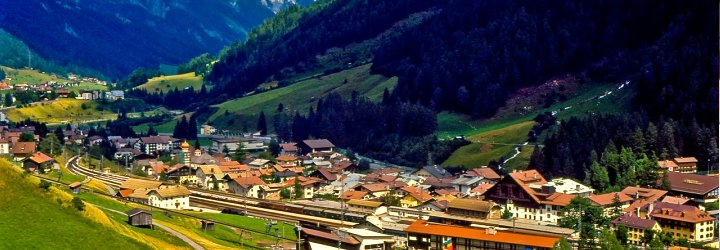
(171, 191)
(321, 143)
(210, 169)
(248, 181)
(135, 211)
(286, 158)
(472, 204)
(329, 236)
(424, 227)
(648, 194)
(132, 183)
(607, 199)
(692, 183)
(326, 174)
(559, 199)
(437, 171)
(417, 193)
(675, 200)
(364, 203)
(158, 139)
(685, 160)
(632, 221)
(667, 164)
(485, 172)
(352, 194)
(527, 177)
(23, 148)
(375, 187)
(482, 188)
(677, 212)
(289, 146)
(40, 158)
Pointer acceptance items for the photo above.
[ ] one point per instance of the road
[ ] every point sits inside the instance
(184, 238)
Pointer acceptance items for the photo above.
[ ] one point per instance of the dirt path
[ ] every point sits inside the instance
(184, 238)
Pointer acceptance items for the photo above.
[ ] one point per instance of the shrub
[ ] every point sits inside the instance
(45, 184)
(78, 204)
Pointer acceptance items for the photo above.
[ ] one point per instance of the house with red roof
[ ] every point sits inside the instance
(698, 188)
(38, 162)
(246, 186)
(608, 202)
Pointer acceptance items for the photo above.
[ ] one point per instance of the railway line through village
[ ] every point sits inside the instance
(260, 208)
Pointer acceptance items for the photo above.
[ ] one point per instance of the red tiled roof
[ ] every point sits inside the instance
(667, 164)
(675, 200)
(417, 193)
(23, 148)
(482, 188)
(685, 160)
(692, 183)
(248, 181)
(524, 178)
(607, 199)
(329, 236)
(559, 199)
(487, 173)
(423, 227)
(648, 194)
(75, 184)
(321, 143)
(376, 187)
(286, 158)
(40, 158)
(677, 212)
(632, 221)
(352, 194)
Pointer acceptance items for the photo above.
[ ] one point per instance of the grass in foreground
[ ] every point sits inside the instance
(45, 219)
(169, 83)
(62, 110)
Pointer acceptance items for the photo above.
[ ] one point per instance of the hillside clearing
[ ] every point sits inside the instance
(62, 110)
(169, 83)
(481, 151)
(301, 95)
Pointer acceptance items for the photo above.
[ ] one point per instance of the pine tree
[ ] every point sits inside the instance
(192, 128)
(197, 144)
(240, 153)
(152, 132)
(8, 100)
(262, 124)
(599, 178)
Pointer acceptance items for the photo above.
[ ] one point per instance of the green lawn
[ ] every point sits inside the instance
(480, 152)
(510, 127)
(222, 236)
(45, 220)
(163, 127)
(301, 95)
(169, 83)
(19, 76)
(62, 110)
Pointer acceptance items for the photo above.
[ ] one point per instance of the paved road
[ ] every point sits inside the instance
(184, 238)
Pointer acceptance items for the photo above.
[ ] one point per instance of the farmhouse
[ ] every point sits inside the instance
(38, 162)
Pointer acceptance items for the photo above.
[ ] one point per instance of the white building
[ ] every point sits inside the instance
(168, 197)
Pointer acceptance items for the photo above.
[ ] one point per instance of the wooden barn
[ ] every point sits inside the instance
(75, 187)
(38, 162)
(139, 217)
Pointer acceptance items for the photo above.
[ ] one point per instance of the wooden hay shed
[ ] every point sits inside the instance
(75, 187)
(208, 225)
(139, 217)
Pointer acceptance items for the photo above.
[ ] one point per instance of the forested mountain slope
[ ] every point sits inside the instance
(114, 37)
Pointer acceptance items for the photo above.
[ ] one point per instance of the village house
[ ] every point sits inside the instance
(473, 208)
(354, 195)
(313, 146)
(288, 160)
(376, 190)
(607, 202)
(636, 227)
(22, 150)
(488, 174)
(414, 197)
(682, 221)
(433, 171)
(464, 183)
(568, 186)
(288, 149)
(4, 146)
(699, 188)
(203, 173)
(182, 174)
(207, 130)
(522, 194)
(246, 186)
(260, 163)
(365, 206)
(38, 162)
(168, 197)
(153, 144)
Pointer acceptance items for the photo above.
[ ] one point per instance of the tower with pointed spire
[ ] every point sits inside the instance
(185, 146)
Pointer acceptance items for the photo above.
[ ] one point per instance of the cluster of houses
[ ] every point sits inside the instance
(24, 151)
(404, 203)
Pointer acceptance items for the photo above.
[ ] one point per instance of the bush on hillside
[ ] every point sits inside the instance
(78, 204)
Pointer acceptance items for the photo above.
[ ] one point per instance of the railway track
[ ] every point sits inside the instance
(270, 213)
(209, 199)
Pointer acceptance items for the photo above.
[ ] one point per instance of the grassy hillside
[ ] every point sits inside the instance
(46, 220)
(32, 76)
(169, 83)
(513, 122)
(59, 111)
(301, 95)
